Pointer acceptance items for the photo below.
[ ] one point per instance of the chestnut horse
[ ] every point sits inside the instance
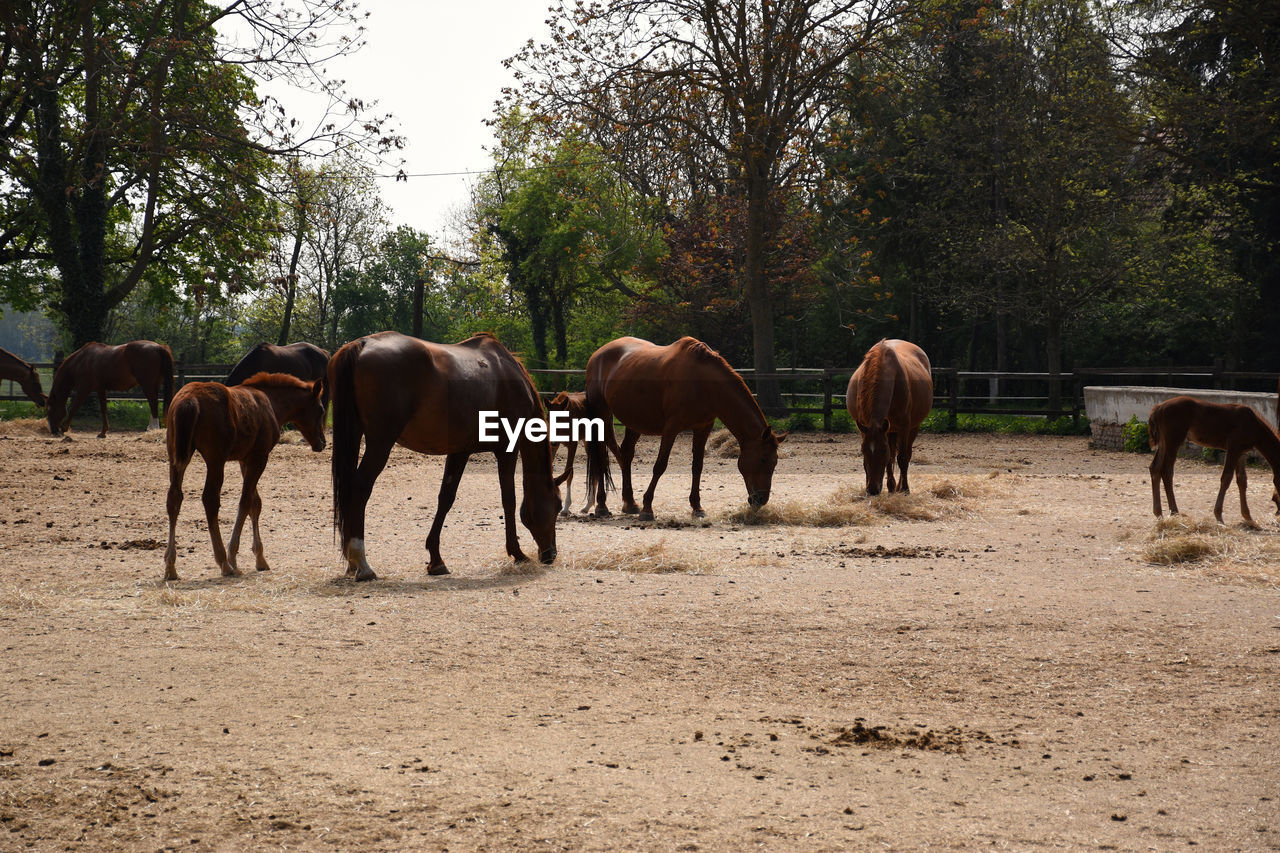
(240, 424)
(22, 372)
(889, 396)
(100, 368)
(303, 360)
(1225, 426)
(575, 403)
(392, 389)
(665, 390)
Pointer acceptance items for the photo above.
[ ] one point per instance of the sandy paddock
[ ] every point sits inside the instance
(991, 664)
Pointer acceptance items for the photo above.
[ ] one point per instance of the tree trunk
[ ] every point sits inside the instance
(759, 299)
(1053, 354)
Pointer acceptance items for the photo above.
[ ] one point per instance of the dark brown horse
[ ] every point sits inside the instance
(1225, 426)
(889, 396)
(306, 361)
(22, 372)
(392, 389)
(665, 390)
(240, 424)
(575, 403)
(100, 368)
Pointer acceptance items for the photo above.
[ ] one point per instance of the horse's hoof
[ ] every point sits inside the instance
(631, 510)
(645, 515)
(601, 512)
(699, 513)
(566, 513)
(264, 568)
(438, 569)
(171, 576)
(366, 575)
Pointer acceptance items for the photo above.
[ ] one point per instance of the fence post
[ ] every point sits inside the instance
(826, 399)
(953, 397)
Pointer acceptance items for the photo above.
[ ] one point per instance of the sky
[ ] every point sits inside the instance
(437, 66)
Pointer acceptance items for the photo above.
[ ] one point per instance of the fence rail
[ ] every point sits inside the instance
(821, 390)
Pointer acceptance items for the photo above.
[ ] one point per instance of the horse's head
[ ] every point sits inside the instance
(56, 412)
(309, 415)
(756, 460)
(875, 454)
(31, 387)
(541, 502)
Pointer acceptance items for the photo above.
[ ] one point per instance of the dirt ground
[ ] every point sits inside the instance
(997, 667)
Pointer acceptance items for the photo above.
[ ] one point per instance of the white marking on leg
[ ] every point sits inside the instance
(356, 557)
(154, 424)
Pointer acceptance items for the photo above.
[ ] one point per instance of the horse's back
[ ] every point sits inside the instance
(648, 386)
(895, 378)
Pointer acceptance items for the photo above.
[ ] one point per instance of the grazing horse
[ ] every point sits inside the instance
(392, 389)
(239, 424)
(889, 396)
(22, 372)
(306, 361)
(1225, 426)
(665, 390)
(100, 368)
(575, 403)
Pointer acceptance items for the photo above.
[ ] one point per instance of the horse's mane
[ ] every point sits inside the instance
(706, 354)
(869, 385)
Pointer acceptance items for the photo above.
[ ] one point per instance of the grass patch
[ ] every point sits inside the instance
(1232, 553)
(851, 506)
(653, 559)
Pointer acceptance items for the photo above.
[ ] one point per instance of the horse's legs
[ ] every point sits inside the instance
(611, 446)
(173, 505)
(904, 459)
(1233, 468)
(507, 483)
(699, 452)
(1242, 480)
(75, 400)
(376, 453)
(566, 477)
(153, 400)
(454, 465)
(1157, 471)
(625, 455)
(891, 453)
(212, 497)
(250, 506)
(102, 405)
(659, 466)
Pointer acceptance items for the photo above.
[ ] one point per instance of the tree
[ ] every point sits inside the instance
(135, 134)
(739, 91)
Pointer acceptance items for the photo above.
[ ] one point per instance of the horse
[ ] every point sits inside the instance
(101, 368)
(575, 403)
(1224, 426)
(665, 390)
(390, 389)
(237, 424)
(889, 396)
(306, 361)
(24, 373)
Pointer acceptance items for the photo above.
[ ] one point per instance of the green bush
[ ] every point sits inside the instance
(801, 422)
(1135, 436)
(841, 422)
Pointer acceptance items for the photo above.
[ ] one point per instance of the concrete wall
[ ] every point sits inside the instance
(1109, 407)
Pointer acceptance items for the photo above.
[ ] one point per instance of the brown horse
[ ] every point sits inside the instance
(22, 372)
(575, 403)
(306, 361)
(240, 424)
(1225, 426)
(392, 389)
(665, 390)
(100, 368)
(889, 396)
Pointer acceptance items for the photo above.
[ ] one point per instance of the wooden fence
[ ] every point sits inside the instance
(820, 391)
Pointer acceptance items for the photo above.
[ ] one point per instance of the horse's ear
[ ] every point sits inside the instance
(781, 436)
(317, 388)
(769, 435)
(559, 399)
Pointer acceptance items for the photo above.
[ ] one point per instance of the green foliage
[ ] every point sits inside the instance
(801, 422)
(1136, 438)
(842, 422)
(937, 421)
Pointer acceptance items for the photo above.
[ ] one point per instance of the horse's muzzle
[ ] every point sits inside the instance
(757, 499)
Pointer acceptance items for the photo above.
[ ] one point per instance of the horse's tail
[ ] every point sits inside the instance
(166, 376)
(596, 448)
(1153, 427)
(182, 430)
(348, 428)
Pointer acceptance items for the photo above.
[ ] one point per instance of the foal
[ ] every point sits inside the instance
(1225, 426)
(239, 424)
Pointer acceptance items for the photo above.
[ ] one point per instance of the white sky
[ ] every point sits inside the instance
(437, 66)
